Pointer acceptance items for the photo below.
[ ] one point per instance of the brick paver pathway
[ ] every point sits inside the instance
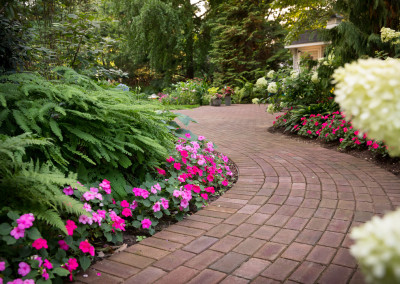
(287, 220)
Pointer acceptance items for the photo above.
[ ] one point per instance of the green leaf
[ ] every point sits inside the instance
(146, 203)
(185, 119)
(42, 281)
(33, 233)
(136, 224)
(84, 261)
(5, 229)
(108, 236)
(61, 254)
(13, 215)
(158, 214)
(61, 271)
(9, 240)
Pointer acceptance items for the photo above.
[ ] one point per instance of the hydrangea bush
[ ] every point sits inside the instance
(187, 180)
(377, 248)
(368, 92)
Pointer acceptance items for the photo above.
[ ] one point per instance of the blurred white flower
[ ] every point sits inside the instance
(272, 87)
(314, 77)
(294, 74)
(368, 91)
(261, 82)
(377, 248)
(388, 35)
(271, 74)
(255, 101)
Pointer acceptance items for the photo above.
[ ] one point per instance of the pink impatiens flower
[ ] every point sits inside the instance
(225, 182)
(25, 221)
(87, 207)
(63, 245)
(341, 140)
(45, 274)
(105, 185)
(17, 233)
(39, 244)
(124, 203)
(157, 207)
(170, 159)
(85, 247)
(164, 203)
(70, 227)
(126, 212)
(71, 265)
(201, 138)
(2, 265)
(83, 219)
(23, 269)
(161, 171)
(68, 190)
(146, 223)
(375, 145)
(47, 264)
(204, 195)
(177, 166)
(134, 204)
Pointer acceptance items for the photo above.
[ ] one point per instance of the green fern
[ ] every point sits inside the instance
(26, 186)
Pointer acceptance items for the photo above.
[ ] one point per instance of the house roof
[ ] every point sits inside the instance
(308, 37)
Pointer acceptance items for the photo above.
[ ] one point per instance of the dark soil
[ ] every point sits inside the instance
(386, 162)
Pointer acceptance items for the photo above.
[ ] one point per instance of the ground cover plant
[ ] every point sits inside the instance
(32, 252)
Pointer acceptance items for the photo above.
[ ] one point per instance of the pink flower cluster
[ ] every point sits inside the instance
(331, 127)
(24, 222)
(86, 247)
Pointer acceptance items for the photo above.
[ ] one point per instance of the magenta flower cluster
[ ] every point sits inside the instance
(330, 127)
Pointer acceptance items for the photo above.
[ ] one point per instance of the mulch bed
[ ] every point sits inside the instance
(390, 164)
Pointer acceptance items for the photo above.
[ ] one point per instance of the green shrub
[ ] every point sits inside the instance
(95, 131)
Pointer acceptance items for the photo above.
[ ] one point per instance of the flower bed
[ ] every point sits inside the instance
(329, 127)
(33, 253)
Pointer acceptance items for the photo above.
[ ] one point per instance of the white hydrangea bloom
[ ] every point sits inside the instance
(377, 248)
(272, 87)
(294, 74)
(271, 108)
(255, 101)
(314, 77)
(271, 74)
(261, 82)
(368, 91)
(388, 35)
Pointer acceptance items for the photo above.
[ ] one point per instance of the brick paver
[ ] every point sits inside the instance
(286, 220)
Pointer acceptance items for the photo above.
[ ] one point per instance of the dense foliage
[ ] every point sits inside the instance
(95, 131)
(186, 180)
(245, 41)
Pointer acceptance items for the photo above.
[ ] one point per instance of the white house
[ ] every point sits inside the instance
(309, 43)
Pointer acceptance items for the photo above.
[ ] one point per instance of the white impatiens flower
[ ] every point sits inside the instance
(377, 248)
(261, 82)
(388, 35)
(271, 74)
(314, 77)
(272, 87)
(368, 91)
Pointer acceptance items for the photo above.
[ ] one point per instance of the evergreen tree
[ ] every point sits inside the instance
(359, 34)
(244, 41)
(160, 35)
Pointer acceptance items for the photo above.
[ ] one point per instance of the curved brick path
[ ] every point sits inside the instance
(286, 220)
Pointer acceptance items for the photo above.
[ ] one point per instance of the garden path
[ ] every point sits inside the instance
(286, 220)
